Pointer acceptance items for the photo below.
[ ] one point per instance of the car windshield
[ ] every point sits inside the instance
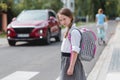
(32, 15)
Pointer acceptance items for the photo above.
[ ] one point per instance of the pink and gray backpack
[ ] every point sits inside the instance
(87, 44)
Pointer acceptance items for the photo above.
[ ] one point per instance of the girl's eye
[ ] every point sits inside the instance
(64, 19)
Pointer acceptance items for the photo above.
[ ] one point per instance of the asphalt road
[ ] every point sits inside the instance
(39, 62)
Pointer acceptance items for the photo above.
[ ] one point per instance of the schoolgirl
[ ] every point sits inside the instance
(71, 66)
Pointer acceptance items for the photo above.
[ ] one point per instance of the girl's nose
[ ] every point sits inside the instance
(62, 22)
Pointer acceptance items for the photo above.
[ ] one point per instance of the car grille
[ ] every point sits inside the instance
(23, 30)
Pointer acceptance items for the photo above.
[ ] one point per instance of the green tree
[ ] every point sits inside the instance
(118, 8)
(3, 11)
(3, 7)
(90, 7)
(36, 4)
(82, 7)
(55, 5)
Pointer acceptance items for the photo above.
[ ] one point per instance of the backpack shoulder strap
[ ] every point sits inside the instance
(79, 31)
(81, 36)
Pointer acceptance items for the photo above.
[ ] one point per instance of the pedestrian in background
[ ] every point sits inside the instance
(71, 66)
(101, 21)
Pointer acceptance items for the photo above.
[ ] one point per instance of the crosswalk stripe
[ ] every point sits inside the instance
(20, 75)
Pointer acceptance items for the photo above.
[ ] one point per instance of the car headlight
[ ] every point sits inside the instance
(8, 32)
(41, 31)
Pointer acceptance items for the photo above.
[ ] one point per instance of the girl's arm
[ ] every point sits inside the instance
(75, 42)
(72, 63)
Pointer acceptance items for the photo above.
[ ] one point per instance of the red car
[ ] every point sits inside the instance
(34, 25)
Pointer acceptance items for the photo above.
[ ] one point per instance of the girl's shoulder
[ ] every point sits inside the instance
(102, 14)
(75, 30)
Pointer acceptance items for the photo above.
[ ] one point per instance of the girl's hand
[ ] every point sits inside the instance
(70, 71)
(72, 63)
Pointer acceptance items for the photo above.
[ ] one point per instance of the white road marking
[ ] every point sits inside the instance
(113, 76)
(20, 75)
(58, 78)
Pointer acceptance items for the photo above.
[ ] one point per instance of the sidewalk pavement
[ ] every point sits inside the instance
(3, 41)
(108, 64)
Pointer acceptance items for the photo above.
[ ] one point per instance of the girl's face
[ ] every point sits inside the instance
(64, 20)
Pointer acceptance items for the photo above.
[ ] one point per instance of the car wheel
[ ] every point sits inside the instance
(47, 40)
(58, 37)
(11, 43)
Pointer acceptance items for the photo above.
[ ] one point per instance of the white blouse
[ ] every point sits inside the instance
(74, 43)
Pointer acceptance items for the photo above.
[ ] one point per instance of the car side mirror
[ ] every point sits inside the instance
(14, 19)
(52, 18)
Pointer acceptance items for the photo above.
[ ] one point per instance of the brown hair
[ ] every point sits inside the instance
(100, 10)
(67, 12)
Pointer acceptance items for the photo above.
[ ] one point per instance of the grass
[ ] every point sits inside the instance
(80, 23)
(83, 23)
(2, 34)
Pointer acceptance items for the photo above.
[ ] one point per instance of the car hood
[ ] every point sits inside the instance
(15, 24)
